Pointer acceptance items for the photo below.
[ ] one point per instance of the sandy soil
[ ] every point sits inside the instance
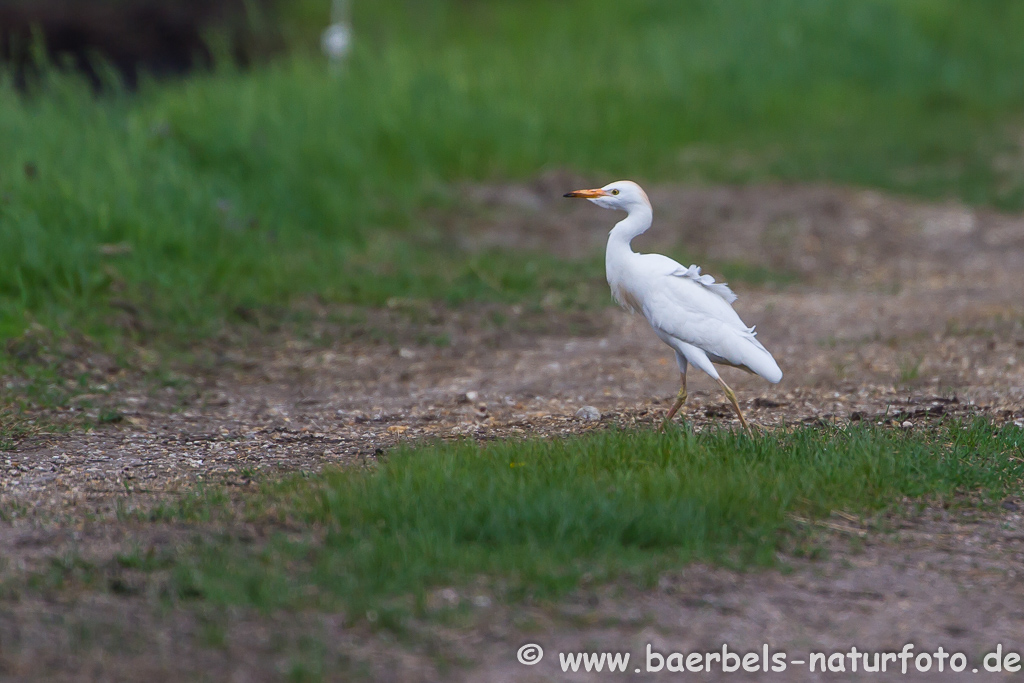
(903, 312)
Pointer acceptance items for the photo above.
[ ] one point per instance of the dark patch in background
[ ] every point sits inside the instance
(156, 37)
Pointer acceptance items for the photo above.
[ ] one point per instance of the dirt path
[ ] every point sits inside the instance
(905, 312)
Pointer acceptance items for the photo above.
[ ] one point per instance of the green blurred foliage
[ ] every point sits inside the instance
(295, 179)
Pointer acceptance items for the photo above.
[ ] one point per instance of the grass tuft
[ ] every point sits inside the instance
(535, 518)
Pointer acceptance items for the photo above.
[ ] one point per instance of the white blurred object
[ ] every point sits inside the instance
(336, 40)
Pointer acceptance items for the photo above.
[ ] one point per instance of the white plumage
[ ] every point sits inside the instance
(688, 310)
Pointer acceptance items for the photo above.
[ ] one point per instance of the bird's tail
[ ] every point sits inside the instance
(763, 364)
(753, 356)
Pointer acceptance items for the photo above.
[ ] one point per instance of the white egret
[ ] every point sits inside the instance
(690, 312)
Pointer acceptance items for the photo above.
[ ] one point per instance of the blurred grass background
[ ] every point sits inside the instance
(190, 200)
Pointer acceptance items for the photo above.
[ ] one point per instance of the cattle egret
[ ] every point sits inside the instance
(690, 312)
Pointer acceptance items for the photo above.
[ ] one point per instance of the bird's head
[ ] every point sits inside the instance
(624, 195)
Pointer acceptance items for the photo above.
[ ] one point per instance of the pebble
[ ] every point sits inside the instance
(589, 414)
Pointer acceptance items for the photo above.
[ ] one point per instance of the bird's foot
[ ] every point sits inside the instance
(664, 424)
(680, 400)
(736, 406)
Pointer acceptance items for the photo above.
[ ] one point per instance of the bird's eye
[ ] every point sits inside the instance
(615, 191)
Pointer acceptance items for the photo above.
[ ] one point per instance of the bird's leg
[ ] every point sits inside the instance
(680, 400)
(736, 406)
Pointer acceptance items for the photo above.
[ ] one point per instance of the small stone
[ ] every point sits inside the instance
(482, 601)
(408, 354)
(589, 414)
(907, 425)
(471, 396)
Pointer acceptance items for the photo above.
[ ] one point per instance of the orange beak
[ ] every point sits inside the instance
(587, 194)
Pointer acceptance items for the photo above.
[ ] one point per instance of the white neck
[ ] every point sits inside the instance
(636, 223)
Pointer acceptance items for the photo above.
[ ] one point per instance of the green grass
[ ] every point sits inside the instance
(12, 430)
(533, 519)
(910, 369)
(193, 200)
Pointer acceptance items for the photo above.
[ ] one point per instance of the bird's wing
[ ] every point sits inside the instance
(693, 308)
(707, 281)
